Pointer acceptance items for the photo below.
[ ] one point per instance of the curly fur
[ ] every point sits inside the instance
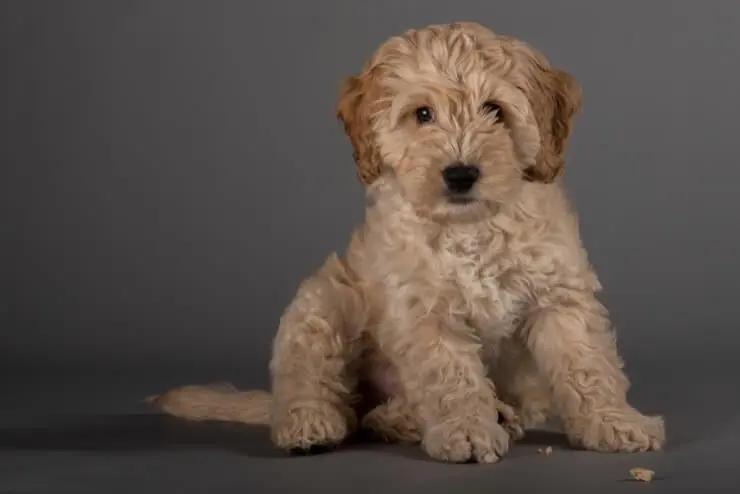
(442, 316)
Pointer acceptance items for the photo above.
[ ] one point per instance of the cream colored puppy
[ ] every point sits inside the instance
(467, 271)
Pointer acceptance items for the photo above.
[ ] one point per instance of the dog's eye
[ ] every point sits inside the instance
(424, 115)
(491, 107)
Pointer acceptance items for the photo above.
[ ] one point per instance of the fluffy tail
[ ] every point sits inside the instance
(219, 402)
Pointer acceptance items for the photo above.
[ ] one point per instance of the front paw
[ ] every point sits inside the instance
(466, 439)
(623, 430)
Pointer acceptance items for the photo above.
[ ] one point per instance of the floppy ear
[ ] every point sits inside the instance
(355, 112)
(556, 99)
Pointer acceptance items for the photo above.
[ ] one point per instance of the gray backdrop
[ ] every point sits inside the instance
(171, 170)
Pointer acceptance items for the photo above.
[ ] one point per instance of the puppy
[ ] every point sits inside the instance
(467, 289)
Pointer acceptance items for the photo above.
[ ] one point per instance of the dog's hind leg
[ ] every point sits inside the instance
(313, 365)
(520, 384)
(393, 421)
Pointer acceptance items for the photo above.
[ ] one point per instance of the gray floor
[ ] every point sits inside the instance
(86, 431)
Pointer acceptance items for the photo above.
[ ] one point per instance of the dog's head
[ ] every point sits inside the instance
(460, 117)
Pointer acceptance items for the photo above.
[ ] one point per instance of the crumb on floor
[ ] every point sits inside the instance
(642, 474)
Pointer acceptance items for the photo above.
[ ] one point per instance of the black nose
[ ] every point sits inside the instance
(460, 178)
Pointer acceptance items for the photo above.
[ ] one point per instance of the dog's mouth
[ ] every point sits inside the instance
(462, 208)
(460, 199)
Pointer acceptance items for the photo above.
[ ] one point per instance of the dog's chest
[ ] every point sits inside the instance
(479, 269)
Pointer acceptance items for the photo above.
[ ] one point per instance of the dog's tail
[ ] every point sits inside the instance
(217, 402)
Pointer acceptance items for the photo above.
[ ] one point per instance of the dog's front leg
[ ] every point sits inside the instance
(446, 380)
(312, 359)
(574, 347)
